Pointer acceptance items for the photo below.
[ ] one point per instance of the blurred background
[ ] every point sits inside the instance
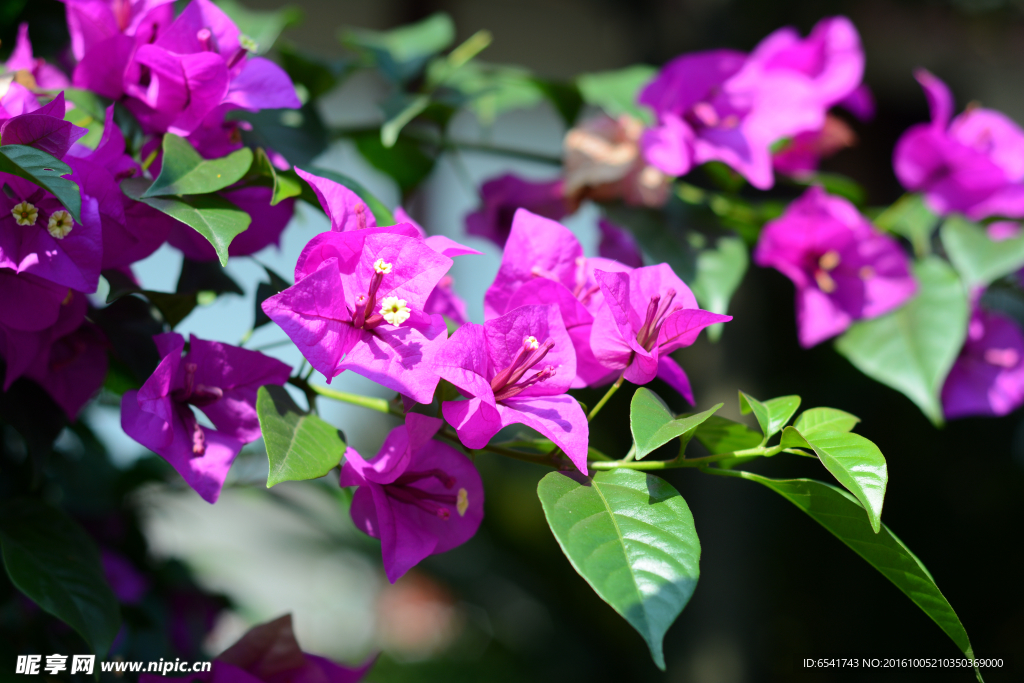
(775, 587)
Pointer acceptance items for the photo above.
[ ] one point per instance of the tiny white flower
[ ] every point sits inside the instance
(381, 267)
(25, 213)
(394, 310)
(60, 224)
(531, 343)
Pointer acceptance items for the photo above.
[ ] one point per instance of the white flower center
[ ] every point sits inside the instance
(531, 343)
(60, 224)
(394, 310)
(462, 502)
(381, 267)
(25, 213)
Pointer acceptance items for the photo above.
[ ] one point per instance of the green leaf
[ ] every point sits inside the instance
(771, 415)
(205, 276)
(44, 170)
(264, 291)
(720, 271)
(404, 161)
(842, 515)
(261, 27)
(913, 348)
(978, 258)
(911, 218)
(722, 435)
(409, 108)
(263, 173)
(653, 424)
(854, 461)
(565, 97)
(403, 52)
(300, 445)
(317, 75)
(489, 89)
(380, 212)
(213, 217)
(837, 184)
(53, 561)
(631, 536)
(89, 113)
(299, 135)
(616, 91)
(184, 171)
(825, 420)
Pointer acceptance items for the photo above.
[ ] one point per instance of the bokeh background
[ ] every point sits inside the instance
(775, 588)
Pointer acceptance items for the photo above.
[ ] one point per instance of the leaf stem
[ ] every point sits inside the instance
(379, 404)
(604, 399)
(675, 463)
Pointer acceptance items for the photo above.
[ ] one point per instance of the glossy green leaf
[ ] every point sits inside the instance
(913, 348)
(911, 218)
(631, 536)
(264, 291)
(854, 461)
(50, 559)
(212, 216)
(403, 52)
(616, 91)
(263, 173)
(184, 171)
(825, 420)
(300, 445)
(722, 435)
(772, 415)
(653, 424)
(380, 212)
(978, 258)
(841, 514)
(45, 170)
(261, 27)
(720, 271)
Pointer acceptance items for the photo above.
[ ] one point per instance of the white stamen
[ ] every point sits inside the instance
(394, 310)
(25, 213)
(381, 267)
(462, 502)
(60, 224)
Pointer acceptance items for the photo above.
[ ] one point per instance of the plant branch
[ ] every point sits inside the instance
(675, 463)
(604, 399)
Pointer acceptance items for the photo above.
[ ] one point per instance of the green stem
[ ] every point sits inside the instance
(546, 460)
(631, 454)
(379, 404)
(676, 463)
(604, 399)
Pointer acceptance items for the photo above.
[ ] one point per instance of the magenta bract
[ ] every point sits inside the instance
(988, 376)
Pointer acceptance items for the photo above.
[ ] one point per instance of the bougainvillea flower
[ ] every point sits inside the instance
(269, 653)
(539, 249)
(843, 268)
(219, 379)
(603, 163)
(801, 155)
(515, 370)
(268, 222)
(504, 195)
(345, 209)
(39, 236)
(72, 367)
(419, 496)
(972, 164)
(831, 57)
(618, 245)
(17, 100)
(173, 76)
(357, 304)
(710, 108)
(131, 230)
(988, 376)
(33, 312)
(44, 129)
(649, 313)
(30, 71)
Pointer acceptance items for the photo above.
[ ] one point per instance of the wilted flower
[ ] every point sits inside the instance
(603, 162)
(843, 268)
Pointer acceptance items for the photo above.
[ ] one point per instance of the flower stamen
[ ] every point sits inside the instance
(60, 224)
